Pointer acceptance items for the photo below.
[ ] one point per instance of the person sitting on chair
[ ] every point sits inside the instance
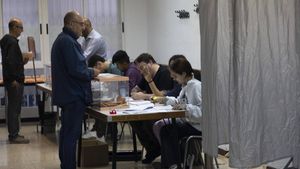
(190, 100)
(105, 66)
(156, 81)
(121, 59)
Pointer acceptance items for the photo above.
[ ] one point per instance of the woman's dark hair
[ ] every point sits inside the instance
(144, 57)
(94, 59)
(174, 57)
(120, 57)
(181, 65)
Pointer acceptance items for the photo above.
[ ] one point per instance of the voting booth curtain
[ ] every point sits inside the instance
(251, 79)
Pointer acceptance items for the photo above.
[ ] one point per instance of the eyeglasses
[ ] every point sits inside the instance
(20, 27)
(80, 23)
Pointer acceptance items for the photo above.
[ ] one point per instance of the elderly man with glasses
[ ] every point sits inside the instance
(71, 90)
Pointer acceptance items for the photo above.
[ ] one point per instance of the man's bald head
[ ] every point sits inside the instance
(74, 22)
(87, 22)
(87, 27)
(71, 16)
(14, 22)
(15, 27)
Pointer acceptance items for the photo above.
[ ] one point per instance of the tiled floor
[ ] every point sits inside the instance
(42, 152)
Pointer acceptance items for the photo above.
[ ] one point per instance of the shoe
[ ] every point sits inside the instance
(174, 166)
(21, 136)
(18, 135)
(150, 157)
(148, 160)
(18, 140)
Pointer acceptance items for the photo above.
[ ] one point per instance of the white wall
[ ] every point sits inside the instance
(135, 22)
(159, 31)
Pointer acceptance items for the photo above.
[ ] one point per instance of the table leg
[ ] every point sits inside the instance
(41, 109)
(134, 146)
(114, 138)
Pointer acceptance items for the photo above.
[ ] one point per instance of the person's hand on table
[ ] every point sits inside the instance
(158, 99)
(139, 96)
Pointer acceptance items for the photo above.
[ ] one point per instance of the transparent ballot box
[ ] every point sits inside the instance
(47, 72)
(110, 91)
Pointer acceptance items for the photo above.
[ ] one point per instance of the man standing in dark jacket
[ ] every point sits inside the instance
(13, 61)
(71, 89)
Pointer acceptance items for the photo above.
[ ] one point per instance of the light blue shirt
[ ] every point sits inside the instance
(93, 44)
(192, 93)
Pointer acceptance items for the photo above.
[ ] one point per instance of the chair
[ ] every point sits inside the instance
(190, 157)
(197, 74)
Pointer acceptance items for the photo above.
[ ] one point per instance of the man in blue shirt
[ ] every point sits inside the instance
(71, 90)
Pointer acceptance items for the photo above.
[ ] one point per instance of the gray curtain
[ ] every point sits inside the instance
(251, 79)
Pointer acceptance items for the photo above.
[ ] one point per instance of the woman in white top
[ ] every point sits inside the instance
(188, 99)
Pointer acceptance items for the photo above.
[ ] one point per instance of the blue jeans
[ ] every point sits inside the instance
(71, 123)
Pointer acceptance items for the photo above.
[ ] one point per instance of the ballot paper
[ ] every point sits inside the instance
(139, 105)
(143, 107)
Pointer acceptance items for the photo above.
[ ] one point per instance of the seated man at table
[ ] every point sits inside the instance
(104, 66)
(156, 81)
(121, 59)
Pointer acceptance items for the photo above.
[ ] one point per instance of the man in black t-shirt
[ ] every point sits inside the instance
(156, 81)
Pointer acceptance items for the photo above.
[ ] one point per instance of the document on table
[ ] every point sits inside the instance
(136, 107)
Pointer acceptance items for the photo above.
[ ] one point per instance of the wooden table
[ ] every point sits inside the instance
(30, 80)
(105, 116)
(124, 117)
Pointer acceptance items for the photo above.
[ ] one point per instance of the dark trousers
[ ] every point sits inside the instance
(71, 123)
(144, 132)
(14, 98)
(170, 150)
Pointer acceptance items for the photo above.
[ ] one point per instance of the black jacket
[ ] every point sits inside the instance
(12, 60)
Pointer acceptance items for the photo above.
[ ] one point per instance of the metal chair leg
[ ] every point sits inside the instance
(216, 161)
(186, 147)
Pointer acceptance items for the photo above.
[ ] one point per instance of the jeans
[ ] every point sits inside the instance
(71, 123)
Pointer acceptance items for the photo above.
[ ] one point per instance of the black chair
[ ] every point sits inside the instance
(193, 142)
(197, 74)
